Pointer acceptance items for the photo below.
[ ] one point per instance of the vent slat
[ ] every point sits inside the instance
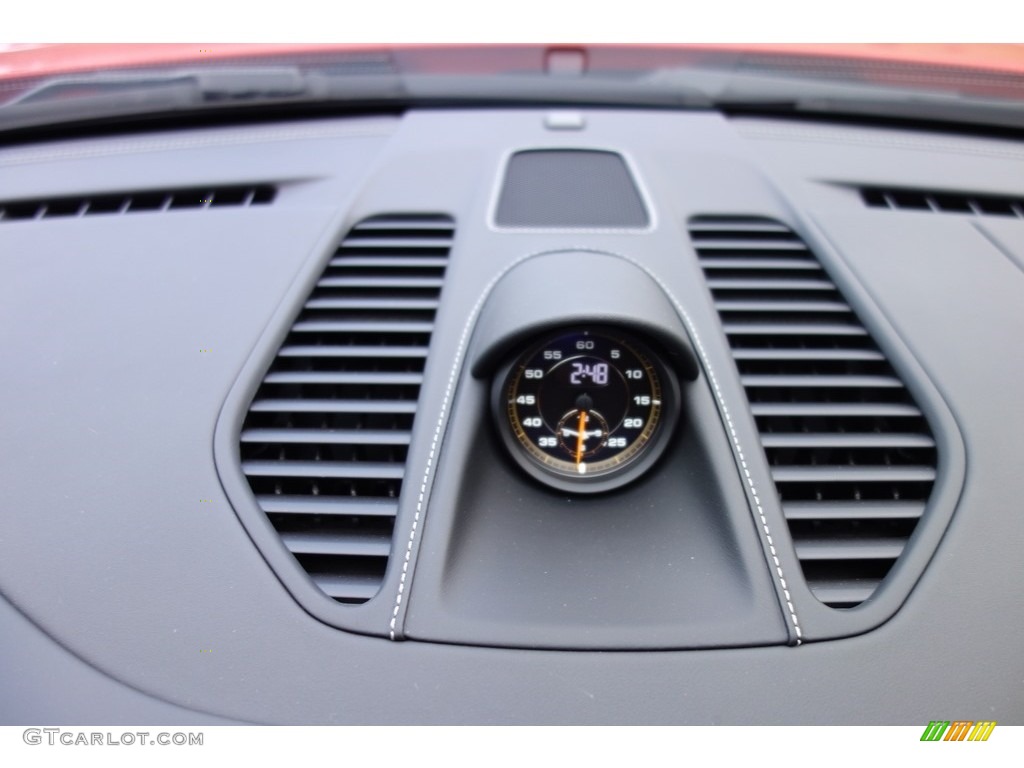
(428, 222)
(340, 469)
(792, 329)
(767, 246)
(736, 284)
(858, 549)
(368, 243)
(846, 440)
(347, 587)
(758, 263)
(331, 377)
(386, 282)
(358, 545)
(780, 306)
(819, 382)
(847, 474)
(388, 263)
(844, 594)
(373, 304)
(328, 436)
(362, 326)
(731, 225)
(325, 443)
(328, 350)
(342, 506)
(778, 354)
(852, 457)
(835, 410)
(853, 510)
(334, 406)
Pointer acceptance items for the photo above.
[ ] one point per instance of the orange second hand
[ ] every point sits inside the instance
(579, 436)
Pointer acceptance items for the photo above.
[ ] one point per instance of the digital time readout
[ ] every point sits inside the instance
(582, 374)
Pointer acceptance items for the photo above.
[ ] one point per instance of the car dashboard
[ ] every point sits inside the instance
(264, 459)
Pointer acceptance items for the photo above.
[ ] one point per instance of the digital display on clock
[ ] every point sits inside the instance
(584, 374)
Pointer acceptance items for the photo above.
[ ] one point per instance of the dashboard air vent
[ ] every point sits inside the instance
(851, 455)
(943, 202)
(137, 202)
(325, 441)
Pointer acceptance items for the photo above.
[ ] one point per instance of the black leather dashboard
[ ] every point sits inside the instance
(131, 554)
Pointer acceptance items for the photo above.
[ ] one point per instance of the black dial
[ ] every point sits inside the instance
(586, 410)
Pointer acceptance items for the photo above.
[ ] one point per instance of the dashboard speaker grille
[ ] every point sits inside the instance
(325, 441)
(851, 455)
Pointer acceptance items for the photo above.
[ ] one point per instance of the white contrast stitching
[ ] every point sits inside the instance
(440, 423)
(719, 397)
(732, 432)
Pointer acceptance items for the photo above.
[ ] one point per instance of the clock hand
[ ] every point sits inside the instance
(580, 437)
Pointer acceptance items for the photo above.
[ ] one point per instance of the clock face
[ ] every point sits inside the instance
(585, 409)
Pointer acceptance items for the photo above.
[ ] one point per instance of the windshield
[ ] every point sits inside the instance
(975, 69)
(90, 85)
